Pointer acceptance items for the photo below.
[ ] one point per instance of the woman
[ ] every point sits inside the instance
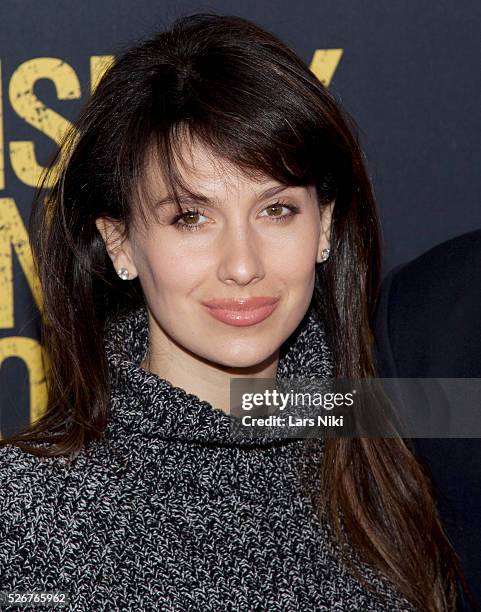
(211, 218)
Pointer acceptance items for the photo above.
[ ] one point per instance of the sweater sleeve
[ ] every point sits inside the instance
(23, 494)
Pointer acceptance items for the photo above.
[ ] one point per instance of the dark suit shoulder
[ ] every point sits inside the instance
(455, 263)
(428, 325)
(430, 311)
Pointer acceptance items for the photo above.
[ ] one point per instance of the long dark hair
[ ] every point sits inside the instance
(244, 94)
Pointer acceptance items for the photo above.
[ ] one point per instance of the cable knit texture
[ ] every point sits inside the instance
(170, 511)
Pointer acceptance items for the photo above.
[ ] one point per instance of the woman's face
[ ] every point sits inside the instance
(242, 242)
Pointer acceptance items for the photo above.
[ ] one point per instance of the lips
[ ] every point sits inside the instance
(243, 311)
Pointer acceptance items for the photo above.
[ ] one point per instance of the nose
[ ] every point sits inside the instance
(240, 262)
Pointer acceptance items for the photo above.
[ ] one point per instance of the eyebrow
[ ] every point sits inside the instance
(199, 197)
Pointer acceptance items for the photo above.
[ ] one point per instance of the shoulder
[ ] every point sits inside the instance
(18, 464)
(28, 481)
(24, 484)
(22, 473)
(429, 312)
(451, 265)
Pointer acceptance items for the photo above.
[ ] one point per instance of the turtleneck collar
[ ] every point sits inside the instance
(143, 402)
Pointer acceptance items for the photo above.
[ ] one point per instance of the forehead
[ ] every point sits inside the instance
(199, 169)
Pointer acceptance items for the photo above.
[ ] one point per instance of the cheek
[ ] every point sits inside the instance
(168, 272)
(298, 259)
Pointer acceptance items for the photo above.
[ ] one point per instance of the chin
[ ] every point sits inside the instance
(242, 356)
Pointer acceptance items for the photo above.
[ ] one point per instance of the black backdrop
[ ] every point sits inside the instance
(408, 72)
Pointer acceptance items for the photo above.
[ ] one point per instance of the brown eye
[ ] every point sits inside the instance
(190, 217)
(275, 211)
(188, 220)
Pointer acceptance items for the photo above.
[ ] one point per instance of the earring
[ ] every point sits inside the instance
(123, 273)
(325, 254)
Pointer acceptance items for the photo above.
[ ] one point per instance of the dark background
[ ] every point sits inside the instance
(409, 75)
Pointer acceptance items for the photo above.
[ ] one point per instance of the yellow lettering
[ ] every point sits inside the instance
(13, 234)
(2, 148)
(32, 354)
(35, 113)
(324, 64)
(98, 66)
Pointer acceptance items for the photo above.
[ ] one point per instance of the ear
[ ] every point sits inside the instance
(325, 233)
(117, 245)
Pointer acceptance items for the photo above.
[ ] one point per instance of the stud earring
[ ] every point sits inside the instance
(325, 255)
(123, 273)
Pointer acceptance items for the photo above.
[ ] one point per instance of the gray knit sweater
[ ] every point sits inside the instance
(168, 512)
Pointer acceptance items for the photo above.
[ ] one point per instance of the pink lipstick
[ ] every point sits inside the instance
(242, 312)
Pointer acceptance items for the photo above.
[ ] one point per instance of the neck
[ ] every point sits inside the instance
(207, 380)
